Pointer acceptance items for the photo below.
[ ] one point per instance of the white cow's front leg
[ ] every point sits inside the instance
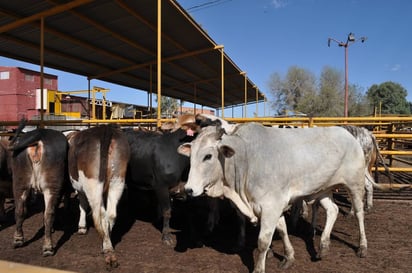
(268, 223)
(243, 206)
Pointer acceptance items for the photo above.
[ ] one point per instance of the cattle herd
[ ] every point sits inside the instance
(263, 171)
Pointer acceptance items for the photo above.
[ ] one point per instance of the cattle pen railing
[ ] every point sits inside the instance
(393, 133)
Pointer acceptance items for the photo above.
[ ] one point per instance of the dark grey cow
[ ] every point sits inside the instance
(155, 165)
(372, 157)
(264, 170)
(39, 165)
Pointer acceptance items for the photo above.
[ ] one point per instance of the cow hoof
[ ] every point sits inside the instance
(270, 254)
(197, 243)
(18, 242)
(237, 248)
(362, 252)
(82, 230)
(320, 255)
(111, 260)
(48, 252)
(254, 221)
(323, 252)
(168, 240)
(285, 264)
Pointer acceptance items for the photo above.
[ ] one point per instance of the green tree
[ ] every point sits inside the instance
(331, 99)
(298, 92)
(358, 103)
(288, 92)
(389, 97)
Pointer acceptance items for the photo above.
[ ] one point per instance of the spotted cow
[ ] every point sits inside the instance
(97, 162)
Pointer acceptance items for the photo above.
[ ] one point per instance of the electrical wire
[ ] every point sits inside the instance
(208, 4)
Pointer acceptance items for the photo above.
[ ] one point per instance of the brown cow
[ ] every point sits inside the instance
(6, 190)
(97, 167)
(38, 165)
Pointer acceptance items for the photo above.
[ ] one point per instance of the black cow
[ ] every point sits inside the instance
(156, 165)
(38, 165)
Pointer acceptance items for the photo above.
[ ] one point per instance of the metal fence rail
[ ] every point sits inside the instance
(394, 133)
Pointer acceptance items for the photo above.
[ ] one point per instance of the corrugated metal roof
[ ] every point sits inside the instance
(116, 41)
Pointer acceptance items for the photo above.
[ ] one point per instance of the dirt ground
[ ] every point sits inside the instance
(139, 248)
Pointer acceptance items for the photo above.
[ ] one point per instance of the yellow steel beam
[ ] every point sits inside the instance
(394, 169)
(393, 135)
(159, 61)
(388, 152)
(46, 13)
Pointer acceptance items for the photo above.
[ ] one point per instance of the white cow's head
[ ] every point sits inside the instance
(206, 170)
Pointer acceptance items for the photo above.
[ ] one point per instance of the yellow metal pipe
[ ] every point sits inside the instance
(245, 88)
(104, 107)
(41, 71)
(393, 135)
(387, 152)
(257, 97)
(53, 11)
(396, 186)
(93, 105)
(88, 98)
(159, 62)
(223, 80)
(394, 169)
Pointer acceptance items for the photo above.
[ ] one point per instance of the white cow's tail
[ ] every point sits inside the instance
(382, 187)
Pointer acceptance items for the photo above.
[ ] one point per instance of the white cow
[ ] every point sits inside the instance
(264, 170)
(368, 142)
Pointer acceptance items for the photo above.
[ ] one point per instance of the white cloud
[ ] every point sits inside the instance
(395, 67)
(279, 3)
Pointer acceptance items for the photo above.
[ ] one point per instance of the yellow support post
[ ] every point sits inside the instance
(222, 76)
(159, 61)
(245, 102)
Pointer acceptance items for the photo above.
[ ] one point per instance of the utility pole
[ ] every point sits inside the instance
(350, 40)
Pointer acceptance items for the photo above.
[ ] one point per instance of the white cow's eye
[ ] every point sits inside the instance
(207, 157)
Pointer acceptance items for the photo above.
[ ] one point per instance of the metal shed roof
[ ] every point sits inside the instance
(116, 41)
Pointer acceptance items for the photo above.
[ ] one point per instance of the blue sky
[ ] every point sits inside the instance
(267, 36)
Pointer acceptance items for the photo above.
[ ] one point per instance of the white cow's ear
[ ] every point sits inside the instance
(185, 149)
(226, 151)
